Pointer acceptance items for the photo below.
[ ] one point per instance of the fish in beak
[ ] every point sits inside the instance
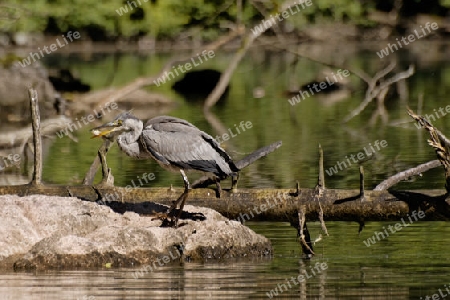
(106, 129)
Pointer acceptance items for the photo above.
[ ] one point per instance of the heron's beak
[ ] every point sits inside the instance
(105, 129)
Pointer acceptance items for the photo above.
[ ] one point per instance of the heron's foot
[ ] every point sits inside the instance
(171, 219)
(169, 223)
(167, 220)
(159, 216)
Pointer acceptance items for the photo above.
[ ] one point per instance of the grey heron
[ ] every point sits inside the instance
(174, 143)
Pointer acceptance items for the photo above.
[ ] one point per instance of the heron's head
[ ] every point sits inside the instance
(123, 123)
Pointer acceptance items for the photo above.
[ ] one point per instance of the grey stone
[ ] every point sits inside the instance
(43, 232)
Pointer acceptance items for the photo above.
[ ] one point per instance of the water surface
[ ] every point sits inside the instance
(407, 265)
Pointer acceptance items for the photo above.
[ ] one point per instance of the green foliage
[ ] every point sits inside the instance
(344, 10)
(445, 3)
(167, 19)
(63, 15)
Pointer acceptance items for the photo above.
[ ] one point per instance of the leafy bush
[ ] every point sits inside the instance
(164, 19)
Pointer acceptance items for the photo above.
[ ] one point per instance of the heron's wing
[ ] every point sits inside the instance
(168, 123)
(177, 143)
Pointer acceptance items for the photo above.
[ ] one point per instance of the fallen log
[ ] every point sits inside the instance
(264, 204)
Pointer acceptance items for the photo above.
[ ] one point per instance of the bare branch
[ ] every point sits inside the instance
(37, 141)
(439, 142)
(393, 180)
(221, 86)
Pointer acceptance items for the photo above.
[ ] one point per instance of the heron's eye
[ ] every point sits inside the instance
(119, 122)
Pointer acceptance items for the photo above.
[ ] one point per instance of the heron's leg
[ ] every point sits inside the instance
(187, 185)
(181, 199)
(183, 196)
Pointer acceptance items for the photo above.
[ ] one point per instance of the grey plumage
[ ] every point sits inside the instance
(177, 144)
(174, 143)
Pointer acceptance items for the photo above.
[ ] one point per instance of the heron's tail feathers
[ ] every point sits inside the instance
(257, 154)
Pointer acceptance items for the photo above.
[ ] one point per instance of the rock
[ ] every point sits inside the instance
(43, 232)
(14, 83)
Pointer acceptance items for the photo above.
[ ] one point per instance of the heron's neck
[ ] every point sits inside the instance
(129, 142)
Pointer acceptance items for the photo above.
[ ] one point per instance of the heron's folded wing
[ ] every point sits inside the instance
(183, 145)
